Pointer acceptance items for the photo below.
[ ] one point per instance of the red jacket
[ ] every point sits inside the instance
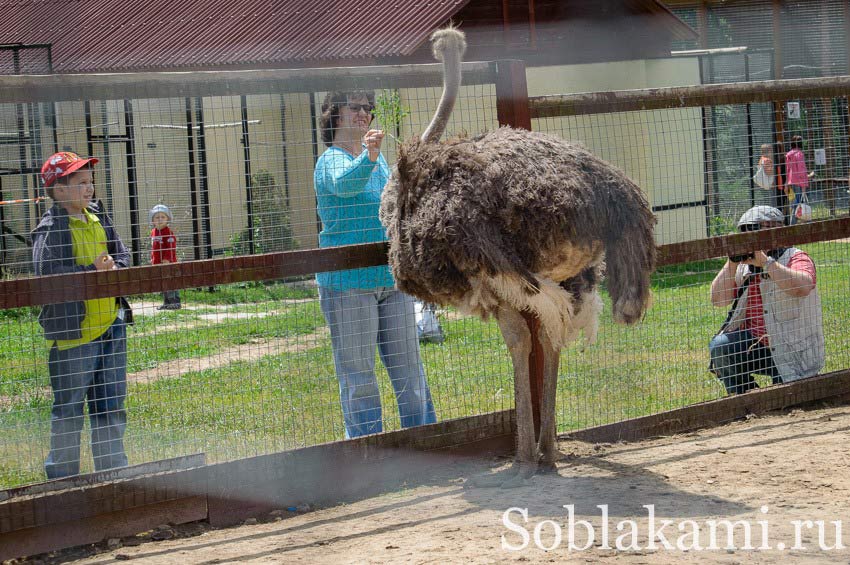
(163, 246)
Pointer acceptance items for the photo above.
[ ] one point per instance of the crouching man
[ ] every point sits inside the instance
(775, 323)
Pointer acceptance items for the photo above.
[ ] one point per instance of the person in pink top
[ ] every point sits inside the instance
(798, 176)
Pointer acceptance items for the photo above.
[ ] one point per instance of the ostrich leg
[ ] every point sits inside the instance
(518, 340)
(548, 421)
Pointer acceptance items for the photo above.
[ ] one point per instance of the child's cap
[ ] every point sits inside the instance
(61, 165)
(160, 208)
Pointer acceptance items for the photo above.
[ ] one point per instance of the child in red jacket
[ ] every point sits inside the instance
(164, 250)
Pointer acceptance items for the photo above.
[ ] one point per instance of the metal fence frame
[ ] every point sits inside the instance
(213, 491)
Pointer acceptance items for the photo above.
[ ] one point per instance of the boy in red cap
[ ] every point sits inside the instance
(87, 339)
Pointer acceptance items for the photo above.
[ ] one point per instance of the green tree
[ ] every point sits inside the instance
(272, 227)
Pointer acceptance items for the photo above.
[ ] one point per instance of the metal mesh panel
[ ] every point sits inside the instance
(240, 369)
(695, 164)
(811, 35)
(246, 366)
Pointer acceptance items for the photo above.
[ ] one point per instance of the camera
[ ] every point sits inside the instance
(741, 257)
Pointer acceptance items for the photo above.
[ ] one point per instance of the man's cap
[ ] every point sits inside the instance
(160, 208)
(61, 165)
(759, 214)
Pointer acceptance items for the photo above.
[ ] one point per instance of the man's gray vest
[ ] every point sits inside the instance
(794, 325)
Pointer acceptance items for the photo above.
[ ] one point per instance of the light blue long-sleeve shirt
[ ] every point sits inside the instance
(348, 190)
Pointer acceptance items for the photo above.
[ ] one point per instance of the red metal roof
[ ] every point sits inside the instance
(122, 35)
(113, 35)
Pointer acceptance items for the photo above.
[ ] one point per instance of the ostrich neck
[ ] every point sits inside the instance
(451, 86)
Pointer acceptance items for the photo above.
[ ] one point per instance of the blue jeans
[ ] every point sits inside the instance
(359, 320)
(798, 197)
(96, 372)
(735, 356)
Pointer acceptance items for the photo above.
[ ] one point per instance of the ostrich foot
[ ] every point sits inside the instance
(548, 464)
(516, 476)
(522, 477)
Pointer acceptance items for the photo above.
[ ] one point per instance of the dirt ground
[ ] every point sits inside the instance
(766, 472)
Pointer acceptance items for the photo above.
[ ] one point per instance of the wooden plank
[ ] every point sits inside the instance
(156, 278)
(120, 86)
(35, 291)
(723, 246)
(345, 471)
(89, 479)
(723, 410)
(687, 96)
(227, 493)
(84, 502)
(93, 529)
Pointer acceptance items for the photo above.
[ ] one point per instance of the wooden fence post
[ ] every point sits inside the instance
(512, 110)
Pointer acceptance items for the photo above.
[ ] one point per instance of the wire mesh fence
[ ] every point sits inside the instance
(249, 364)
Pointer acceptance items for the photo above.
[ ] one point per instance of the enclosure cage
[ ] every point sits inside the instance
(243, 375)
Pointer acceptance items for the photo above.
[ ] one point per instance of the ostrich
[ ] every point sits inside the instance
(512, 223)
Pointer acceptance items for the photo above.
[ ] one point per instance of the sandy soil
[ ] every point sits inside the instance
(766, 471)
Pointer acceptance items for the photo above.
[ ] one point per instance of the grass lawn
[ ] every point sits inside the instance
(289, 398)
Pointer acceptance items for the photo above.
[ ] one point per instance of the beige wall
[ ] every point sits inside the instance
(660, 150)
(300, 151)
(162, 171)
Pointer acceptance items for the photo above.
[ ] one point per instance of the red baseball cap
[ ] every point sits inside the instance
(61, 165)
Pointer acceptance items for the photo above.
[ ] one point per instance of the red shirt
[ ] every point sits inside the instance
(754, 315)
(163, 246)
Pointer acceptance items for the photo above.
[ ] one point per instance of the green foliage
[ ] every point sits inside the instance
(719, 225)
(272, 227)
(389, 111)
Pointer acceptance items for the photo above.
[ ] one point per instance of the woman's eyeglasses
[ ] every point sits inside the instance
(357, 107)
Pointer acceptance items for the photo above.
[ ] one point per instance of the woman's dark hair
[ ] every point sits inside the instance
(797, 142)
(330, 110)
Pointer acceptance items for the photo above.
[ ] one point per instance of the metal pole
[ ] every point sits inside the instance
(107, 154)
(750, 139)
(132, 184)
(22, 142)
(193, 182)
(249, 193)
(315, 154)
(203, 173)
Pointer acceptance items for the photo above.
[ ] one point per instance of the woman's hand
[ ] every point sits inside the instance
(372, 140)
